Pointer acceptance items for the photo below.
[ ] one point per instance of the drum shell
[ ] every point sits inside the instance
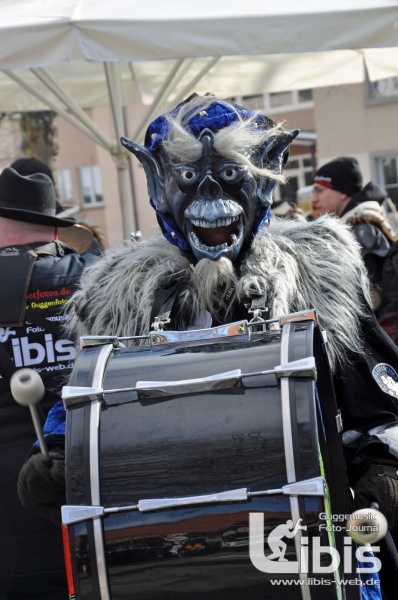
(190, 445)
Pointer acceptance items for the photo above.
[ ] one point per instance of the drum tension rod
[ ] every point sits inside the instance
(76, 395)
(304, 367)
(308, 487)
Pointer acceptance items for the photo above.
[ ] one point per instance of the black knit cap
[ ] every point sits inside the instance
(341, 174)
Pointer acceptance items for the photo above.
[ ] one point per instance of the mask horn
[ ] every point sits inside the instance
(274, 154)
(152, 170)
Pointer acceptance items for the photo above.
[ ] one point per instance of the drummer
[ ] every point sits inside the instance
(212, 167)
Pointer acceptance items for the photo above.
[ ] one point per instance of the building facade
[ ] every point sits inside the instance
(357, 120)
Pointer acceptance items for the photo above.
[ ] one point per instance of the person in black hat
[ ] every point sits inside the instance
(338, 189)
(38, 275)
(335, 183)
(29, 165)
(81, 236)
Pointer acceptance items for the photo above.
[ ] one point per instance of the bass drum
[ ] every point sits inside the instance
(184, 456)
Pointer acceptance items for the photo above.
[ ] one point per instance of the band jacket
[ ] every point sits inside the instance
(31, 557)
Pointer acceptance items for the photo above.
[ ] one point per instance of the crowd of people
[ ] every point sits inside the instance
(338, 190)
(212, 167)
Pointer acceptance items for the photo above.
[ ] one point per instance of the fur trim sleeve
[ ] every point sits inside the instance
(117, 292)
(317, 265)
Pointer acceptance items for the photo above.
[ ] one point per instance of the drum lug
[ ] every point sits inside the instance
(73, 395)
(303, 315)
(160, 321)
(257, 309)
(308, 487)
(74, 514)
(100, 340)
(305, 367)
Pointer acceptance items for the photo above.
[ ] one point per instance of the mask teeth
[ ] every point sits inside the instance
(201, 246)
(234, 239)
(221, 222)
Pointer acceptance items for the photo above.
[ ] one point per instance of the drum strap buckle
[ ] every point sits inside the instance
(257, 308)
(161, 320)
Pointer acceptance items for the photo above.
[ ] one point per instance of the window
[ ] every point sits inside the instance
(91, 186)
(280, 99)
(387, 175)
(382, 90)
(253, 102)
(276, 101)
(305, 96)
(65, 189)
(299, 172)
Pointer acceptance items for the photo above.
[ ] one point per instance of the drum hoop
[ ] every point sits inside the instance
(287, 331)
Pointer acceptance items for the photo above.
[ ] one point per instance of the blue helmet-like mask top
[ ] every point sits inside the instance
(211, 168)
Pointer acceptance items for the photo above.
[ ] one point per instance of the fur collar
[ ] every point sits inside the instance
(295, 265)
(370, 212)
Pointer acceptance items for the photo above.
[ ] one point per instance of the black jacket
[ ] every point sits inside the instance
(373, 231)
(31, 557)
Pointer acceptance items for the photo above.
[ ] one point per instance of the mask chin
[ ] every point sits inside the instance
(230, 254)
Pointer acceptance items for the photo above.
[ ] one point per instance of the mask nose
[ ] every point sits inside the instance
(210, 189)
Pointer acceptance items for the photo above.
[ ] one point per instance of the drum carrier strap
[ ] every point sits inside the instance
(16, 269)
(331, 415)
(16, 272)
(163, 304)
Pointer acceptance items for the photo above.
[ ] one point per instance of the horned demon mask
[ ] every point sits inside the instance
(211, 168)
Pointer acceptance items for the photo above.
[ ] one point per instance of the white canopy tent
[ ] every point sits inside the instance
(68, 55)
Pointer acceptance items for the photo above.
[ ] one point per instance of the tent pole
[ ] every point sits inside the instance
(71, 104)
(181, 96)
(161, 94)
(120, 155)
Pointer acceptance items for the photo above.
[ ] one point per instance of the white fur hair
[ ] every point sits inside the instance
(236, 142)
(295, 265)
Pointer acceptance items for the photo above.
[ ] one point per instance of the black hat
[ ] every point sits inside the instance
(31, 165)
(29, 198)
(342, 174)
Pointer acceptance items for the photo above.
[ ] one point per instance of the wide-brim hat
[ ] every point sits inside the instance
(29, 198)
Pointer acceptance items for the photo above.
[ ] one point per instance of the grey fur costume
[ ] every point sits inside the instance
(295, 265)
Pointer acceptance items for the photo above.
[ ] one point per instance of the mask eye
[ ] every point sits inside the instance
(229, 173)
(187, 175)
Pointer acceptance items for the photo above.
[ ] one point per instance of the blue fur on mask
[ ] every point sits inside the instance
(169, 227)
(263, 219)
(216, 117)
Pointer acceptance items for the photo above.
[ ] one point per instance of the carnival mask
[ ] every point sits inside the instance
(211, 169)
